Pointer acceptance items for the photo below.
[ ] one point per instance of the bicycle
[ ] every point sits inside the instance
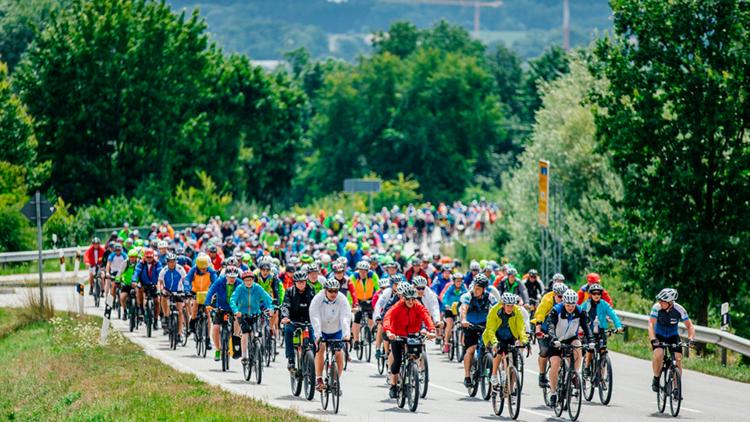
(481, 367)
(202, 339)
(568, 384)
(456, 343)
(132, 310)
(670, 380)
(424, 372)
(111, 278)
(332, 389)
(409, 372)
(254, 353)
(227, 325)
(364, 344)
(303, 373)
(268, 342)
(519, 360)
(150, 310)
(173, 320)
(381, 361)
(510, 387)
(598, 373)
(97, 285)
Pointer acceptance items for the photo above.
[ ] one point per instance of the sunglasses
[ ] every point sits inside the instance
(409, 299)
(339, 272)
(596, 293)
(420, 288)
(301, 281)
(331, 291)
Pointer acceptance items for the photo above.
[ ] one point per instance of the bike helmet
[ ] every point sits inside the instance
(331, 284)
(300, 276)
(162, 244)
(202, 262)
(407, 291)
(509, 298)
(595, 288)
(474, 266)
(313, 268)
(482, 281)
(512, 271)
(148, 253)
(265, 265)
(213, 248)
(570, 297)
(558, 277)
(232, 272)
(325, 258)
(133, 253)
(248, 274)
(667, 295)
(96, 241)
(171, 256)
(363, 265)
(592, 278)
(397, 278)
(533, 272)
(419, 281)
(338, 267)
(559, 288)
(458, 276)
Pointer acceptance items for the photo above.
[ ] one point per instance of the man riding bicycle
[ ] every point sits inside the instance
(199, 279)
(549, 300)
(451, 296)
(365, 283)
(172, 280)
(221, 290)
(296, 308)
(330, 316)
(563, 323)
(146, 277)
(534, 288)
(663, 329)
(405, 318)
(93, 257)
(271, 284)
(474, 308)
(248, 300)
(117, 261)
(505, 327)
(598, 312)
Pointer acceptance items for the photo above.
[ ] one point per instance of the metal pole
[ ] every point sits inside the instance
(476, 19)
(566, 25)
(37, 199)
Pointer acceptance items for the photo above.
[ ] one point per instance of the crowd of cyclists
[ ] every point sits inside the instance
(349, 283)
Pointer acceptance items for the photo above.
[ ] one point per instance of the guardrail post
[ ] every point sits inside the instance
(723, 356)
(77, 264)
(626, 334)
(62, 264)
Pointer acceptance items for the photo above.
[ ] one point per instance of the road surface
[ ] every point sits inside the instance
(707, 398)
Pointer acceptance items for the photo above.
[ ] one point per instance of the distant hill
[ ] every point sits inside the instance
(265, 29)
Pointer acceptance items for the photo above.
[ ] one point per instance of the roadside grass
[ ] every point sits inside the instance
(58, 371)
(477, 249)
(30, 267)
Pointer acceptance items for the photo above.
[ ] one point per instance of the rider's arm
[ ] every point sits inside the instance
(652, 322)
(136, 272)
(613, 316)
(463, 310)
(427, 319)
(551, 321)
(493, 322)
(520, 325)
(523, 293)
(315, 315)
(543, 309)
(691, 329)
(210, 294)
(160, 278)
(345, 313)
(286, 305)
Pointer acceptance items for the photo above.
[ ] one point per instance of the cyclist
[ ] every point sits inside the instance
(474, 268)
(265, 278)
(450, 296)
(442, 279)
(428, 298)
(513, 285)
(365, 283)
(248, 300)
(475, 305)
(199, 279)
(548, 301)
(215, 257)
(386, 300)
(406, 317)
(563, 323)
(146, 276)
(505, 327)
(665, 316)
(296, 308)
(93, 258)
(172, 280)
(313, 276)
(534, 288)
(415, 269)
(338, 273)
(583, 292)
(598, 311)
(330, 316)
(125, 279)
(556, 278)
(162, 246)
(221, 290)
(116, 263)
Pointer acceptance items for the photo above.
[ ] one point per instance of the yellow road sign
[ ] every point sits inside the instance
(544, 193)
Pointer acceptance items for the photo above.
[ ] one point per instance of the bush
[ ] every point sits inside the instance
(198, 204)
(349, 203)
(112, 212)
(401, 191)
(66, 226)
(15, 232)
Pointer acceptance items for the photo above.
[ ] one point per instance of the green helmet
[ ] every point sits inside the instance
(331, 246)
(138, 243)
(306, 259)
(133, 253)
(247, 257)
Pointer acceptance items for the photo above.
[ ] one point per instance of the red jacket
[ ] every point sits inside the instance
(410, 274)
(402, 320)
(88, 256)
(583, 295)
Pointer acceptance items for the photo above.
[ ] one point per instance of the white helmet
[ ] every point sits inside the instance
(558, 278)
(162, 244)
(509, 298)
(407, 290)
(325, 259)
(419, 281)
(331, 284)
(667, 295)
(570, 297)
(559, 288)
(363, 265)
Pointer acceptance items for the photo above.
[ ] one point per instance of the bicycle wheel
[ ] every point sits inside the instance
(381, 361)
(308, 374)
(247, 370)
(172, 321)
(273, 349)
(452, 348)
(518, 363)
(267, 349)
(424, 375)
(367, 343)
(132, 317)
(346, 356)
(413, 386)
(546, 389)
(333, 381)
(295, 377)
(360, 347)
(97, 292)
(486, 372)
(148, 319)
(589, 382)
(325, 394)
(675, 396)
(661, 392)
(498, 402)
(403, 381)
(561, 374)
(185, 325)
(224, 349)
(573, 393)
(258, 362)
(514, 393)
(605, 379)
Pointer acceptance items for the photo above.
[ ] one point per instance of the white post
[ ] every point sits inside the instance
(77, 264)
(62, 264)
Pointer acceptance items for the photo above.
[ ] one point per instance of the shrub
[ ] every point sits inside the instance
(197, 204)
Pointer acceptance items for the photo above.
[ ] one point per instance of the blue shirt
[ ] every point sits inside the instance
(219, 289)
(478, 307)
(250, 301)
(667, 322)
(146, 274)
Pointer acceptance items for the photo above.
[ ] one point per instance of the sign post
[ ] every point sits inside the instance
(39, 210)
(362, 185)
(724, 327)
(544, 193)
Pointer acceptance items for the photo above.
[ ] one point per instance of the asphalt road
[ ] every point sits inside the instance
(365, 393)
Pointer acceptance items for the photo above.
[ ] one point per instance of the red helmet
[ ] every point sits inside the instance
(148, 253)
(247, 274)
(592, 278)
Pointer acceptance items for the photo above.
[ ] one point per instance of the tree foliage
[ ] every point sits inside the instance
(675, 121)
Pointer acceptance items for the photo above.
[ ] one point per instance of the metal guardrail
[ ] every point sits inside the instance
(702, 334)
(26, 256)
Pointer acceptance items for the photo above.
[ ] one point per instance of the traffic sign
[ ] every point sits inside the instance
(361, 185)
(46, 209)
(725, 316)
(544, 193)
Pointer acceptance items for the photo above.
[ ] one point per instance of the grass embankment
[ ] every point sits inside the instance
(30, 267)
(56, 370)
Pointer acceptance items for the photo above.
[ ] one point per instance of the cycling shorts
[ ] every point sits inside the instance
(247, 322)
(149, 290)
(503, 346)
(219, 315)
(554, 351)
(669, 340)
(364, 306)
(471, 337)
(447, 313)
(543, 347)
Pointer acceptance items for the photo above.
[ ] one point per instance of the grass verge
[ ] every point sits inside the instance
(30, 267)
(58, 371)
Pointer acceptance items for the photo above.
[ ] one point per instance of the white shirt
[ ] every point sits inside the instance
(330, 317)
(383, 300)
(430, 301)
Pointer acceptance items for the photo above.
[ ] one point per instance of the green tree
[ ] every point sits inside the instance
(563, 134)
(20, 21)
(401, 39)
(546, 68)
(675, 120)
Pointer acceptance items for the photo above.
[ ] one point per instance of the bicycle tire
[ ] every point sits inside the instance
(224, 349)
(486, 373)
(148, 319)
(247, 370)
(367, 344)
(258, 362)
(519, 364)
(296, 376)
(413, 386)
(403, 379)
(452, 348)
(590, 381)
(274, 351)
(346, 356)
(132, 317)
(661, 392)
(381, 361)
(514, 393)
(498, 402)
(675, 396)
(561, 374)
(573, 393)
(172, 329)
(546, 392)
(199, 343)
(475, 372)
(325, 394)
(605, 383)
(309, 374)
(360, 348)
(97, 292)
(334, 386)
(424, 375)
(185, 325)
(267, 349)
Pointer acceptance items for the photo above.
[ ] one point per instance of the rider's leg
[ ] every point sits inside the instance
(319, 360)
(554, 366)
(468, 356)
(656, 361)
(180, 319)
(340, 361)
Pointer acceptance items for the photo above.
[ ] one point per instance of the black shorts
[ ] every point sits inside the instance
(447, 313)
(364, 306)
(503, 346)
(669, 340)
(247, 322)
(126, 288)
(471, 337)
(543, 347)
(219, 315)
(554, 351)
(150, 290)
(177, 299)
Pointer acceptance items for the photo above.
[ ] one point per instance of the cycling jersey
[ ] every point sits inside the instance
(330, 317)
(403, 320)
(430, 301)
(117, 262)
(667, 320)
(503, 326)
(564, 325)
(222, 291)
(365, 289)
(535, 289)
(598, 312)
(200, 281)
(126, 276)
(174, 280)
(250, 301)
(478, 307)
(452, 295)
(271, 285)
(146, 274)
